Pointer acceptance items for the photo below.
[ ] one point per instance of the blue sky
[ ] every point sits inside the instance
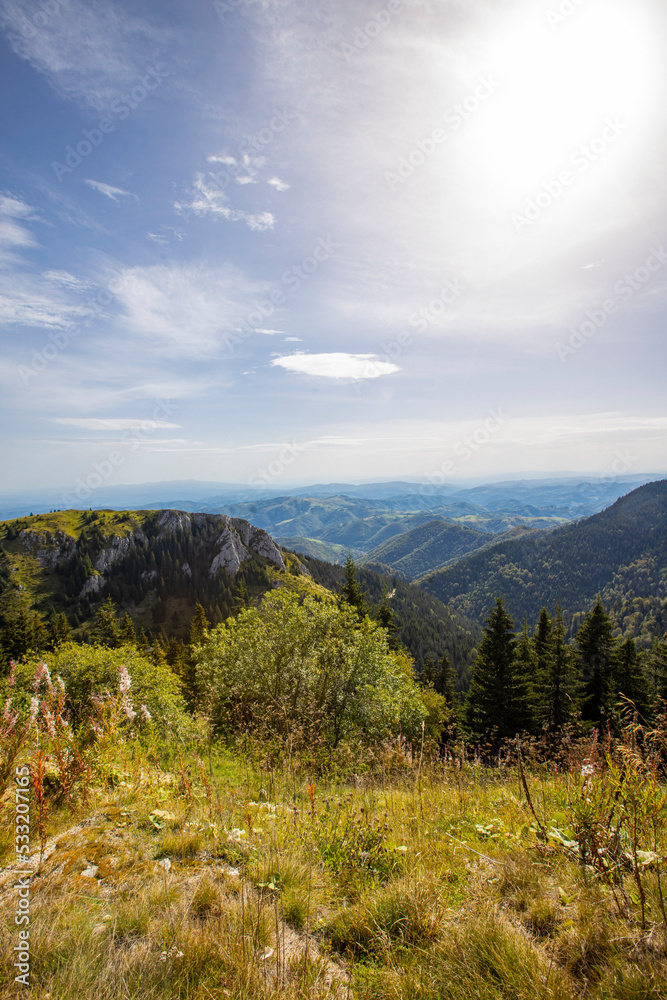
(286, 240)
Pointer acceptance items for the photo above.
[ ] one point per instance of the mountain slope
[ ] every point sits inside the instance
(156, 564)
(428, 547)
(620, 553)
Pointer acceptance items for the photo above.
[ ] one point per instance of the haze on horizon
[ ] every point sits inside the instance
(343, 240)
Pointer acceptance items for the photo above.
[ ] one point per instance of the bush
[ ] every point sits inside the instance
(92, 670)
(308, 671)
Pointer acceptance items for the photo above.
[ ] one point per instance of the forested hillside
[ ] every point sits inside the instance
(56, 570)
(620, 553)
(427, 548)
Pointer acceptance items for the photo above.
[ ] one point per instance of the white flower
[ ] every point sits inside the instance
(145, 714)
(34, 708)
(124, 680)
(165, 863)
(587, 770)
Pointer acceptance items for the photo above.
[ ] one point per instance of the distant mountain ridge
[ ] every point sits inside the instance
(620, 553)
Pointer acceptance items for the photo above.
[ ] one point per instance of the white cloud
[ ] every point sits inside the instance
(207, 199)
(339, 365)
(279, 185)
(26, 300)
(110, 191)
(11, 233)
(184, 309)
(14, 207)
(295, 339)
(112, 424)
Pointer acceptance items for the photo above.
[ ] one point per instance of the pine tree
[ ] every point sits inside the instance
(556, 692)
(525, 666)
(127, 632)
(657, 669)
(384, 616)
(595, 644)
(440, 676)
(105, 630)
(199, 626)
(239, 597)
(491, 707)
(350, 591)
(60, 631)
(629, 680)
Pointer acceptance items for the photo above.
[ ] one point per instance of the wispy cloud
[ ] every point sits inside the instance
(207, 199)
(185, 310)
(27, 300)
(112, 423)
(88, 51)
(337, 366)
(279, 185)
(114, 193)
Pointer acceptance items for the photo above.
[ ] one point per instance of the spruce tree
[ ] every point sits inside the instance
(556, 690)
(629, 680)
(105, 630)
(595, 645)
(199, 626)
(491, 707)
(440, 676)
(60, 631)
(657, 669)
(127, 632)
(350, 591)
(525, 666)
(384, 616)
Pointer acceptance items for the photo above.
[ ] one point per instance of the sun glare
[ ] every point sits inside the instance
(561, 86)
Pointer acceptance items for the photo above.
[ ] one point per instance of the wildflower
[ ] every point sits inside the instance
(124, 680)
(48, 718)
(587, 770)
(165, 863)
(9, 718)
(145, 714)
(34, 709)
(60, 684)
(42, 672)
(12, 669)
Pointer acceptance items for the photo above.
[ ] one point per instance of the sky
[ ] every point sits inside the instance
(288, 241)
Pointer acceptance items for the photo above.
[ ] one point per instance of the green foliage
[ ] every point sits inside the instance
(556, 687)
(595, 651)
(90, 670)
(495, 705)
(350, 591)
(618, 553)
(324, 672)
